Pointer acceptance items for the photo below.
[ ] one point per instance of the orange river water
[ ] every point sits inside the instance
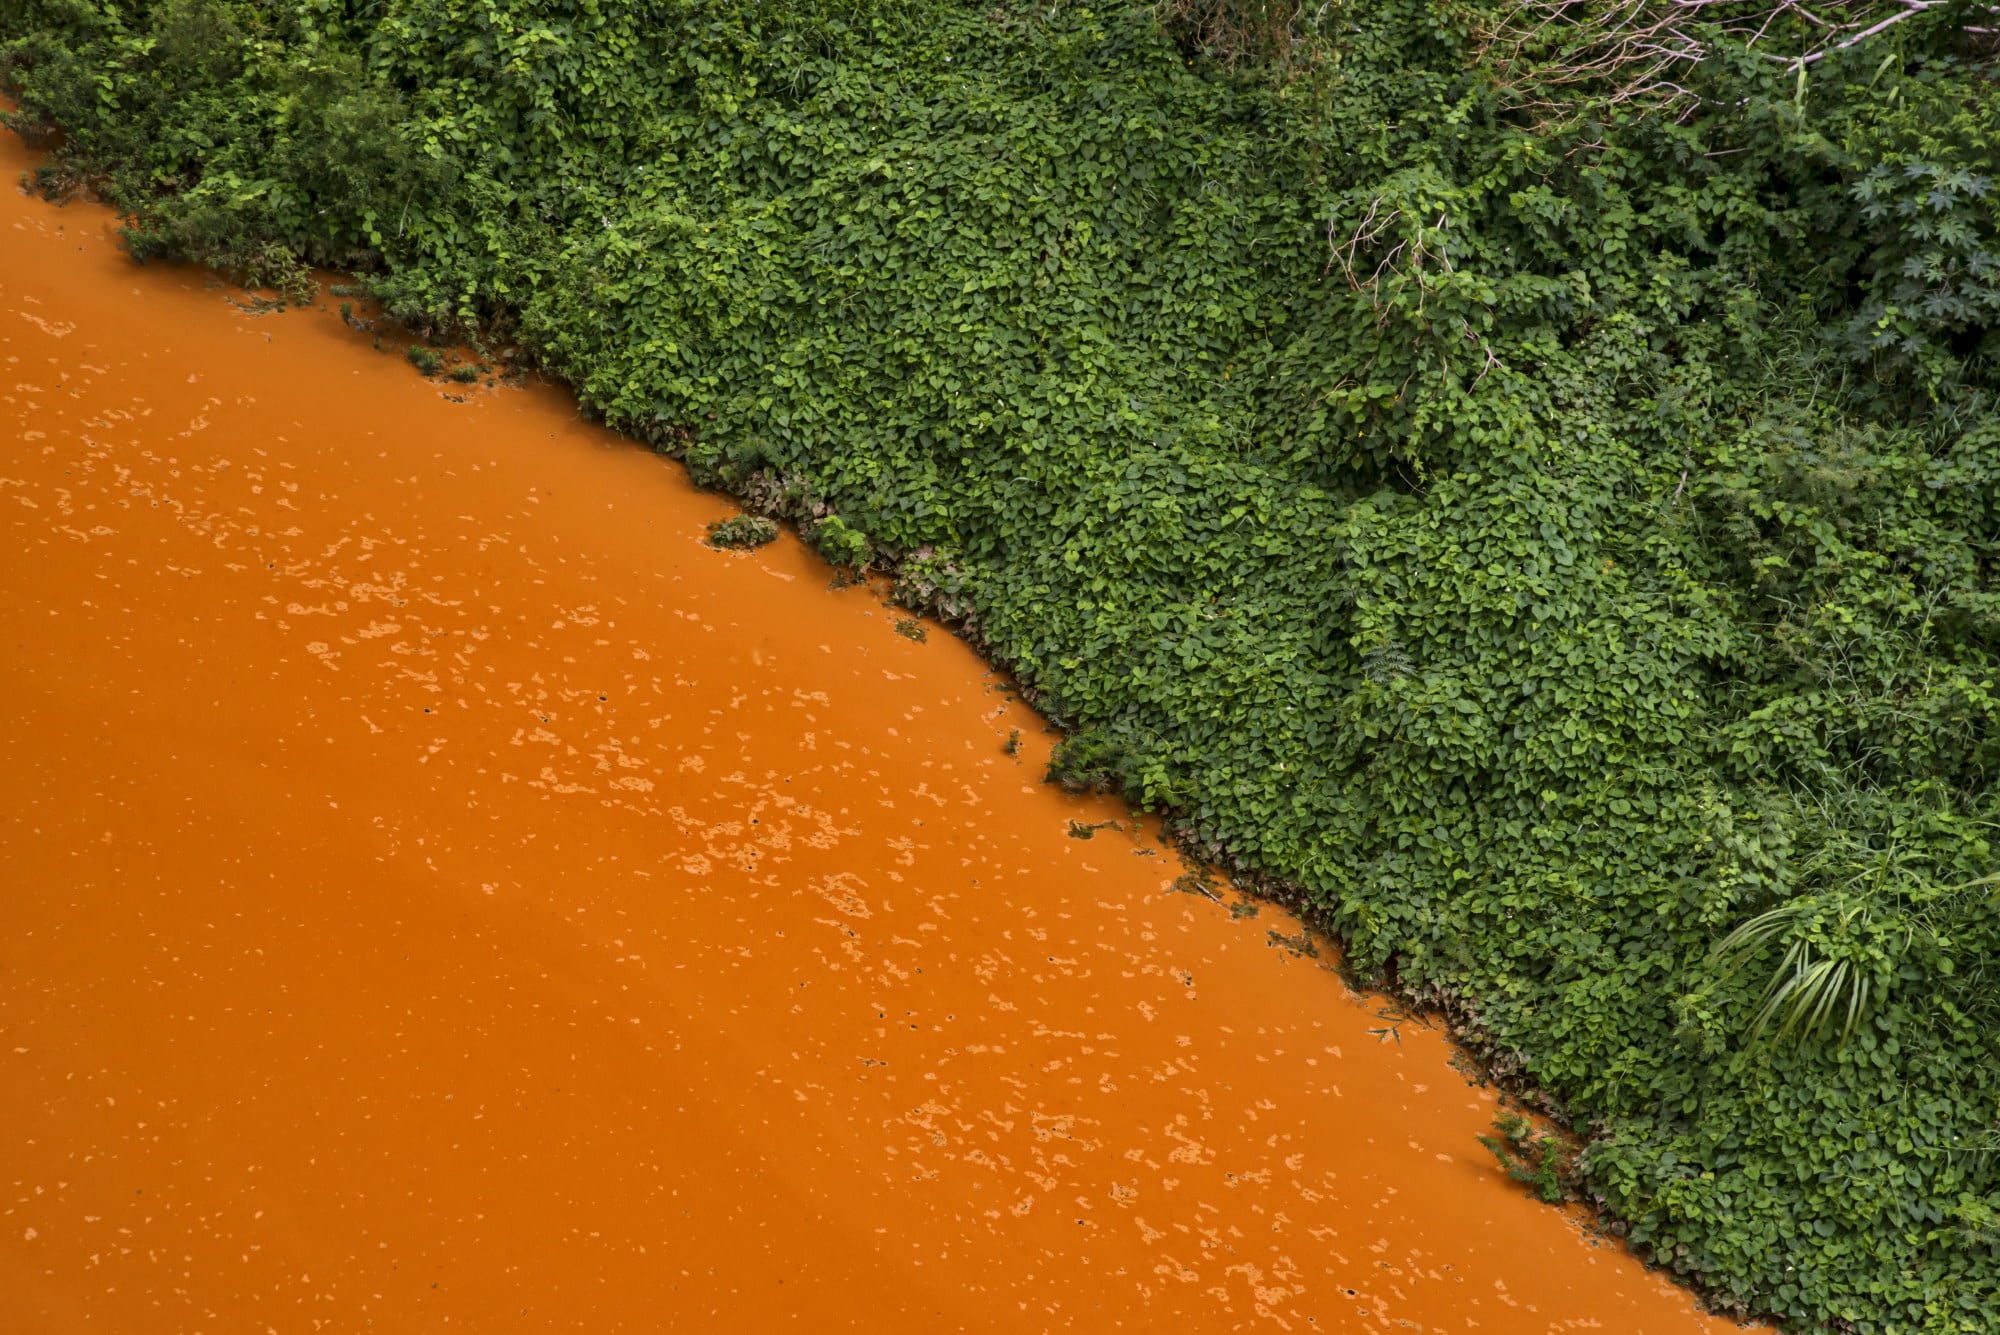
(440, 893)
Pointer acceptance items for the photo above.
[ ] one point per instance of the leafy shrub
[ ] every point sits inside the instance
(839, 544)
(1092, 760)
(740, 531)
(1927, 197)
(1530, 1158)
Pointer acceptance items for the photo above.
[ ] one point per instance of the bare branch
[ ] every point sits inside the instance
(1633, 52)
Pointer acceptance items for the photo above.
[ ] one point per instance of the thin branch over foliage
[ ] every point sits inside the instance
(1549, 55)
(1272, 33)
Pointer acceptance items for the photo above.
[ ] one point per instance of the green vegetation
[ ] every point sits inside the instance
(1530, 1158)
(1531, 491)
(739, 531)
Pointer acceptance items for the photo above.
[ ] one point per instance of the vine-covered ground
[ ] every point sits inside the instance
(1550, 525)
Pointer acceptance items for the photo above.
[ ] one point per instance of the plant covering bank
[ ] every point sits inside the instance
(1552, 526)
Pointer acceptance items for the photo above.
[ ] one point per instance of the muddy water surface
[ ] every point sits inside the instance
(441, 893)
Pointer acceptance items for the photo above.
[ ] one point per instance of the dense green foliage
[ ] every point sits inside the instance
(1550, 543)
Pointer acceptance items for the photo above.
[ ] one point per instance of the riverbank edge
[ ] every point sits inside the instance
(792, 500)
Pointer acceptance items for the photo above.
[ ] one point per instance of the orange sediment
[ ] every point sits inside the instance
(441, 893)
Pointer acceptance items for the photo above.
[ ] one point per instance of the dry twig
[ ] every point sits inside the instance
(1639, 51)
